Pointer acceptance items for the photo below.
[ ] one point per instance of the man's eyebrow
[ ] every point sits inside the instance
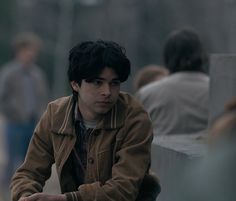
(100, 78)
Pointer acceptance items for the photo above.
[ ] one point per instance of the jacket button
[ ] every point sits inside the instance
(90, 160)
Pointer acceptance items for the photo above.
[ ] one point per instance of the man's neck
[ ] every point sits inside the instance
(87, 116)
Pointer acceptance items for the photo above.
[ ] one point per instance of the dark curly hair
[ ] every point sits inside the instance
(88, 59)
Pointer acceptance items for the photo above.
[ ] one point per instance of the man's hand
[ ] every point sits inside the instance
(44, 197)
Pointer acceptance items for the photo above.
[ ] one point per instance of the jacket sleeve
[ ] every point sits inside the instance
(30, 177)
(133, 161)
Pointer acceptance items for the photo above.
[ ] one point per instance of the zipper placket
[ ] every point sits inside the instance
(89, 144)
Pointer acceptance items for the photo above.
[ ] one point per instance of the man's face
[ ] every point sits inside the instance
(98, 96)
(27, 55)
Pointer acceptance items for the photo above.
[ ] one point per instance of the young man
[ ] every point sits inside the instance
(99, 138)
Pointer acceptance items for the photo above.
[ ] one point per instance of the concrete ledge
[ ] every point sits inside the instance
(171, 156)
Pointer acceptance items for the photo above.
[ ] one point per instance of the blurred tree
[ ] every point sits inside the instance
(140, 26)
(7, 11)
(62, 46)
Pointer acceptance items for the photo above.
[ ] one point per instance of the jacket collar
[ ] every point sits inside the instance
(62, 116)
(63, 120)
(115, 117)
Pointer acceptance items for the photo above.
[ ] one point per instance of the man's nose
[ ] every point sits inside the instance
(106, 90)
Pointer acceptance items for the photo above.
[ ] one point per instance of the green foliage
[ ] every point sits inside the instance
(6, 26)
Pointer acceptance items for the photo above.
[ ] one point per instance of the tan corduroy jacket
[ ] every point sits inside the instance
(118, 156)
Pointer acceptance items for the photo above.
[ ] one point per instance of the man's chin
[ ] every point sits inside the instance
(103, 111)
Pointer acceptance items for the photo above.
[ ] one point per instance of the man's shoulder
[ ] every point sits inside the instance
(128, 104)
(61, 100)
(61, 103)
(9, 67)
(8, 71)
(128, 101)
(125, 97)
(127, 109)
(134, 110)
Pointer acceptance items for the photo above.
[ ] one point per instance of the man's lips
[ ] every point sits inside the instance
(104, 102)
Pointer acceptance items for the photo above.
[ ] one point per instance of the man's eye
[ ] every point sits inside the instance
(115, 83)
(97, 82)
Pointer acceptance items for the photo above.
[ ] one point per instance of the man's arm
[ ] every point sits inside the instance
(36, 169)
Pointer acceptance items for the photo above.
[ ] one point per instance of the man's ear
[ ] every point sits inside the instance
(74, 85)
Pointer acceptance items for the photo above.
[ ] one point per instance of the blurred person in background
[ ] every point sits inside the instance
(149, 74)
(178, 104)
(23, 96)
(225, 123)
(98, 137)
(214, 177)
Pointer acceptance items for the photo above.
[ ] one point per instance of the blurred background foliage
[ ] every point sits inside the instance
(6, 28)
(141, 26)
